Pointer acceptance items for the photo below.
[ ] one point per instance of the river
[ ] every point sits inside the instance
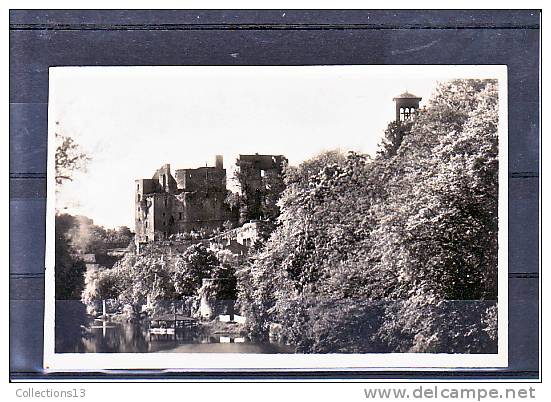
(78, 333)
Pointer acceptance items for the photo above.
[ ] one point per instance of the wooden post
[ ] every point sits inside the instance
(232, 310)
(104, 308)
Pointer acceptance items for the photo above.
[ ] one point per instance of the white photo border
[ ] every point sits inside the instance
(204, 362)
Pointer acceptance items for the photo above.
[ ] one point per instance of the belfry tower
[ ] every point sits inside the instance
(406, 106)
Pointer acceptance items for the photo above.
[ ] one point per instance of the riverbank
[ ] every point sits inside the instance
(226, 328)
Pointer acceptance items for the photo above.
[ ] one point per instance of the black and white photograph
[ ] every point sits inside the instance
(277, 217)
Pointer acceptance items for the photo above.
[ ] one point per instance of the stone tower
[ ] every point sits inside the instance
(406, 106)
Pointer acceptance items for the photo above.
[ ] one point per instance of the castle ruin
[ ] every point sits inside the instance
(193, 200)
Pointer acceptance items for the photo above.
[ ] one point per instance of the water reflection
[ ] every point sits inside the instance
(78, 333)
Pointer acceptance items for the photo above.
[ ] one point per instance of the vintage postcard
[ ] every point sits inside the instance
(277, 218)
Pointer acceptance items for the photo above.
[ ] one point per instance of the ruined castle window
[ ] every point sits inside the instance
(139, 197)
(166, 203)
(146, 224)
(138, 187)
(163, 214)
(180, 216)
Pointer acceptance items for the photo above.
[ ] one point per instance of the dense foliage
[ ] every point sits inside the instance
(159, 279)
(399, 237)
(77, 235)
(258, 201)
(86, 237)
(391, 253)
(69, 269)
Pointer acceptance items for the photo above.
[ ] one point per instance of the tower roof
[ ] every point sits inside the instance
(407, 95)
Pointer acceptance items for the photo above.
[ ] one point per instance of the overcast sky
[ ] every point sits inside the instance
(132, 120)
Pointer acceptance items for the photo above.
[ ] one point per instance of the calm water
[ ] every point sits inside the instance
(77, 333)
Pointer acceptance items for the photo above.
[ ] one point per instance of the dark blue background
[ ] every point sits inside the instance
(40, 39)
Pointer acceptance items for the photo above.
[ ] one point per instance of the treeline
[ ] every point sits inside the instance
(89, 238)
(392, 253)
(77, 235)
(162, 281)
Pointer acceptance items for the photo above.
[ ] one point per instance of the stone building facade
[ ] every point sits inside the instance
(192, 200)
(238, 240)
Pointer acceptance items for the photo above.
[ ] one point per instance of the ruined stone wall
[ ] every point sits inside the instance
(144, 219)
(162, 204)
(169, 214)
(238, 240)
(146, 186)
(264, 162)
(193, 211)
(165, 179)
(252, 169)
(204, 178)
(193, 199)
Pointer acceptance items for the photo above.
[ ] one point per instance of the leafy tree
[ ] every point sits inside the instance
(156, 279)
(426, 323)
(150, 277)
(317, 233)
(273, 185)
(258, 200)
(87, 238)
(69, 270)
(68, 158)
(226, 282)
(133, 281)
(393, 137)
(439, 224)
(100, 284)
(196, 263)
(438, 228)
(413, 229)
